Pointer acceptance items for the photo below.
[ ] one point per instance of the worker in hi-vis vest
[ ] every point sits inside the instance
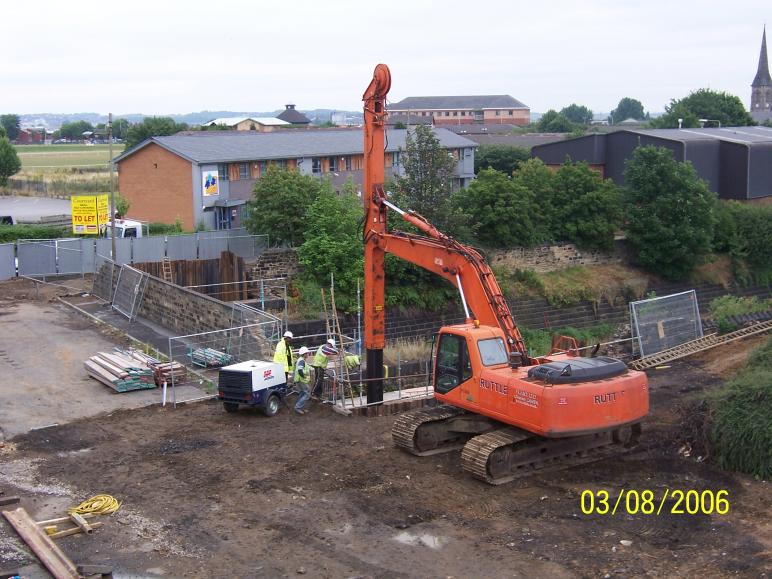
(303, 379)
(283, 354)
(321, 359)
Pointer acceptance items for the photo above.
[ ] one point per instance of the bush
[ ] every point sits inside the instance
(165, 228)
(741, 432)
(725, 307)
(539, 342)
(10, 233)
(745, 233)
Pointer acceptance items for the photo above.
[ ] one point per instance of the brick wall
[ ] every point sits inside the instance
(182, 311)
(159, 186)
(273, 263)
(550, 257)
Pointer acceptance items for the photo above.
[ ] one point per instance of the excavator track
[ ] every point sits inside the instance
(506, 454)
(413, 431)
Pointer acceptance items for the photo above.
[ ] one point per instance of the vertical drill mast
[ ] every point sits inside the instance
(375, 223)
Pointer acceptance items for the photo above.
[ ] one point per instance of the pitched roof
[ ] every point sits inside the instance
(475, 102)
(292, 116)
(235, 146)
(233, 121)
(762, 74)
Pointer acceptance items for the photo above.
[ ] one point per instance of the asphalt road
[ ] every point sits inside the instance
(33, 208)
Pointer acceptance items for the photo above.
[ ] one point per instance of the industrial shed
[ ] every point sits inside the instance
(735, 161)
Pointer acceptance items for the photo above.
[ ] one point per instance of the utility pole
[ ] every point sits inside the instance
(112, 188)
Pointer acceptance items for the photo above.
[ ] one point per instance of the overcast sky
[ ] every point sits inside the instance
(161, 57)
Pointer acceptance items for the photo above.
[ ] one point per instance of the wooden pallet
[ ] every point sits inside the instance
(699, 345)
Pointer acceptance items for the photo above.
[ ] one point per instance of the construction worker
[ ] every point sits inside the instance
(303, 379)
(283, 354)
(321, 359)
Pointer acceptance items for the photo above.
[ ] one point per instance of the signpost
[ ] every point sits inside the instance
(89, 212)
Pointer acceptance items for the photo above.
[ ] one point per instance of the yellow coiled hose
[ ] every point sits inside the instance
(98, 505)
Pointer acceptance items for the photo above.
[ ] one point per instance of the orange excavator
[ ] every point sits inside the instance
(510, 413)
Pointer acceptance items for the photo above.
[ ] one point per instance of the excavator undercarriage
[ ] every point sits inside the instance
(498, 453)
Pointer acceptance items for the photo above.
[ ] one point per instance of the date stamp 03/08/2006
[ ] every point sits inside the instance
(647, 502)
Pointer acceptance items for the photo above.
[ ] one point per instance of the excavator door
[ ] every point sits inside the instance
(453, 374)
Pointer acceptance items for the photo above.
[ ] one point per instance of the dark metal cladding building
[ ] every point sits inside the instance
(735, 161)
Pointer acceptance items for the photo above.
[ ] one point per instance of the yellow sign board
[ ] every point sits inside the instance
(89, 212)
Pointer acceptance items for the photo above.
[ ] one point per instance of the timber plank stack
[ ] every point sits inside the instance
(120, 372)
(210, 358)
(162, 371)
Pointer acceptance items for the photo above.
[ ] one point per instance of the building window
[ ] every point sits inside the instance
(395, 159)
(455, 113)
(222, 171)
(510, 113)
(348, 162)
(316, 165)
(498, 113)
(243, 171)
(423, 113)
(333, 164)
(447, 114)
(281, 163)
(463, 113)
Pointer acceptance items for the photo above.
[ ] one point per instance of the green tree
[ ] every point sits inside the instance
(152, 127)
(74, 131)
(504, 158)
(333, 244)
(279, 205)
(9, 161)
(584, 208)
(705, 104)
(554, 122)
(501, 210)
(578, 114)
(425, 186)
(120, 128)
(538, 179)
(12, 125)
(2, 132)
(627, 109)
(669, 211)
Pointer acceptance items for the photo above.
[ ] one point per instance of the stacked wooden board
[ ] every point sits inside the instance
(210, 358)
(162, 371)
(119, 371)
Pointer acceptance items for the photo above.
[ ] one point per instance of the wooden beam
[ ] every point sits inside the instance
(42, 545)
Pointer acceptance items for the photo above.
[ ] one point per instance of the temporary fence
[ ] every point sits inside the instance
(206, 352)
(268, 294)
(78, 256)
(661, 323)
(129, 291)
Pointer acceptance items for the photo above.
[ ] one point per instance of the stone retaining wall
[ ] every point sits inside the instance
(550, 257)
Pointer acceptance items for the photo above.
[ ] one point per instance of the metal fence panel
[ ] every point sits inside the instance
(7, 261)
(665, 322)
(103, 277)
(123, 250)
(129, 291)
(88, 255)
(69, 256)
(212, 247)
(37, 257)
(182, 247)
(148, 249)
(244, 246)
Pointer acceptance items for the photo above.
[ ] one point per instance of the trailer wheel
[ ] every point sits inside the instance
(230, 406)
(271, 407)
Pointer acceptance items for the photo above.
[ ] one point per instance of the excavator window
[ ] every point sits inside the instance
(453, 363)
(492, 351)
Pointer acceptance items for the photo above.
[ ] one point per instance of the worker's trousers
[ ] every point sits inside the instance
(318, 381)
(303, 395)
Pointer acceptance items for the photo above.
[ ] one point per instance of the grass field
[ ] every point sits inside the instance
(45, 158)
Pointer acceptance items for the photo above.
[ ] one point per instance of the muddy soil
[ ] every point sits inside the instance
(209, 494)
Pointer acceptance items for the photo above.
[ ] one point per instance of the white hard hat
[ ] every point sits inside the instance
(288, 334)
(303, 351)
(331, 342)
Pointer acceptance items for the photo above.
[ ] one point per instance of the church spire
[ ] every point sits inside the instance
(762, 75)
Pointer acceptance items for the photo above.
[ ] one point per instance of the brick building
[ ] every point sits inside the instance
(463, 110)
(209, 175)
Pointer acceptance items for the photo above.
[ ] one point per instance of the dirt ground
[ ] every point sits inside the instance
(210, 494)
